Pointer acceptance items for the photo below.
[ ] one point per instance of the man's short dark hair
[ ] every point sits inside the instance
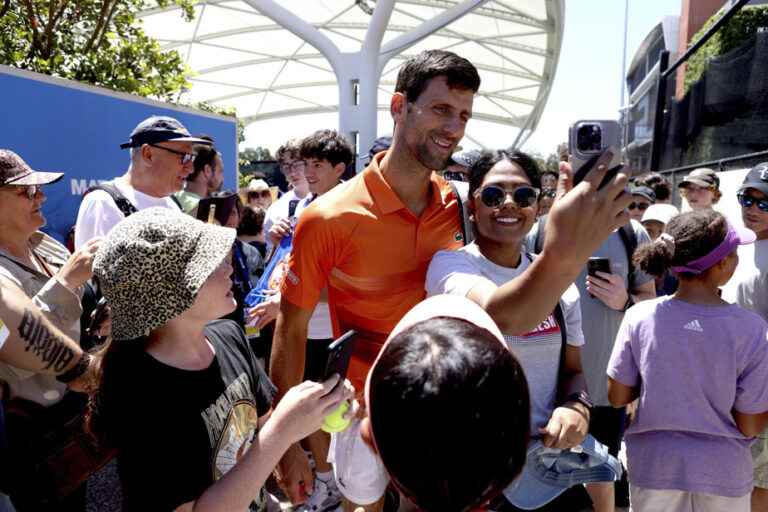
(488, 159)
(290, 149)
(328, 145)
(419, 70)
(450, 414)
(205, 155)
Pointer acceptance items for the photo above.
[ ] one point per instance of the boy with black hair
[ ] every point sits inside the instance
(328, 158)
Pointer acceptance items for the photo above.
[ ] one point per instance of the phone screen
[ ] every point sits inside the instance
(595, 265)
(339, 354)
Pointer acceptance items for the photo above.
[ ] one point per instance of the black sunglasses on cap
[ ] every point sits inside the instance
(493, 196)
(747, 202)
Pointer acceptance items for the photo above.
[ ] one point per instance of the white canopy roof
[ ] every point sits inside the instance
(243, 56)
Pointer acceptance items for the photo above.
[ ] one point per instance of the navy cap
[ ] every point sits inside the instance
(645, 192)
(156, 129)
(757, 178)
(379, 145)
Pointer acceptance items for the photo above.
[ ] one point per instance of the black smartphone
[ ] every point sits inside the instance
(595, 265)
(339, 354)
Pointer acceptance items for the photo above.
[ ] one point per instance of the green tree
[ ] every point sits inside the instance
(250, 155)
(100, 42)
(250, 164)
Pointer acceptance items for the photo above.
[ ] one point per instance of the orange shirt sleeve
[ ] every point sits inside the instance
(311, 259)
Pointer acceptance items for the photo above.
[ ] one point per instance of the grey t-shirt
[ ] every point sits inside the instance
(748, 287)
(457, 272)
(599, 322)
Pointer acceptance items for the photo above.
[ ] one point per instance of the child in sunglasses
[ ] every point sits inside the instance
(504, 194)
(749, 289)
(698, 366)
(642, 198)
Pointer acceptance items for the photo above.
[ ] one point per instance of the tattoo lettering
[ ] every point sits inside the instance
(81, 366)
(50, 349)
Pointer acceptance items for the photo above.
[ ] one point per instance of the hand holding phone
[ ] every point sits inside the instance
(595, 265)
(339, 354)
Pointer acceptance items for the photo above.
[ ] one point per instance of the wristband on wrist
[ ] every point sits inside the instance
(582, 397)
(630, 302)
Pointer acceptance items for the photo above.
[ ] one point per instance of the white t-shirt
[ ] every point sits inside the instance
(457, 272)
(320, 327)
(279, 210)
(748, 287)
(98, 212)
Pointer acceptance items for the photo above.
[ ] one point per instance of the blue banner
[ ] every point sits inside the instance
(61, 125)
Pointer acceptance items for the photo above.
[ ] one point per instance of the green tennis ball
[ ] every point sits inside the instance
(335, 422)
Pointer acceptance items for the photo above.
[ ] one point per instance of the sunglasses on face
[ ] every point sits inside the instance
(639, 206)
(548, 192)
(27, 190)
(185, 158)
(493, 196)
(263, 193)
(747, 201)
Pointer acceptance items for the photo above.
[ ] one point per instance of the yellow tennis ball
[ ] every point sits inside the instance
(335, 422)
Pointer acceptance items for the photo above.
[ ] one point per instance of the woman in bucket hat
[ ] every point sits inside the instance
(181, 395)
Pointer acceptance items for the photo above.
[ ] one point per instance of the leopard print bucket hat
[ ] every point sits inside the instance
(153, 263)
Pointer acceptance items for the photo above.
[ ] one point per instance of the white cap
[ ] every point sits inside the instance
(660, 212)
(257, 185)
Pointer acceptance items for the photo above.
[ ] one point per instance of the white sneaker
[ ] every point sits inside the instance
(325, 498)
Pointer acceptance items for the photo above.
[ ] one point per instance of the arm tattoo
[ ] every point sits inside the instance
(47, 346)
(81, 366)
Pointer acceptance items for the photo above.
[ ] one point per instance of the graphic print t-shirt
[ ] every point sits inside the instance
(181, 430)
(457, 272)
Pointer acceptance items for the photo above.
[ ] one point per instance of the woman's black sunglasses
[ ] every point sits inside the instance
(747, 202)
(493, 196)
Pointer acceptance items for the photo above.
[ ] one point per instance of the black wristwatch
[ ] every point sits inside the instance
(582, 397)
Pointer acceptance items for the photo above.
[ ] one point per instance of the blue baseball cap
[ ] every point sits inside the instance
(548, 472)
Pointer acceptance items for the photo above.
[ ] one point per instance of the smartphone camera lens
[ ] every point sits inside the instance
(589, 138)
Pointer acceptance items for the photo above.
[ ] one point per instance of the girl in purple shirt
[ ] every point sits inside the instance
(698, 367)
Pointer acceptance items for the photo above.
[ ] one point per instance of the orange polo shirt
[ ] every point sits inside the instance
(361, 242)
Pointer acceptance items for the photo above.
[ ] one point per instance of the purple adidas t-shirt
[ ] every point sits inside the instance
(694, 365)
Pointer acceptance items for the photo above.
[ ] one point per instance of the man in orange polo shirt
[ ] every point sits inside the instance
(369, 241)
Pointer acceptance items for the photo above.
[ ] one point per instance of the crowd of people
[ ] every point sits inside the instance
(513, 328)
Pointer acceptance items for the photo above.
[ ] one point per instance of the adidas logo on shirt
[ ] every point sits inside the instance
(693, 325)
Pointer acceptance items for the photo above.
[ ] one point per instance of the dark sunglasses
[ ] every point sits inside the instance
(186, 158)
(548, 192)
(27, 190)
(747, 202)
(493, 196)
(640, 206)
(263, 193)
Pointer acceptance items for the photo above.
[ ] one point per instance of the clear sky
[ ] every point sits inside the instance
(587, 82)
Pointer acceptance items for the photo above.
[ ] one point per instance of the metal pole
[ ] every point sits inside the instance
(658, 119)
(624, 54)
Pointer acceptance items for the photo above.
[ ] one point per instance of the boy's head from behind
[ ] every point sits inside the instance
(448, 407)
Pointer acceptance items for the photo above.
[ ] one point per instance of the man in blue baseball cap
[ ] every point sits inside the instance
(162, 153)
